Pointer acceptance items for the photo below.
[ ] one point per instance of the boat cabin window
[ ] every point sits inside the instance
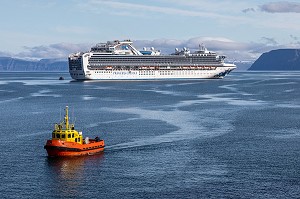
(53, 135)
(57, 135)
(78, 139)
(75, 139)
(72, 135)
(69, 135)
(63, 135)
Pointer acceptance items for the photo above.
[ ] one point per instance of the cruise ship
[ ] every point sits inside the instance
(120, 60)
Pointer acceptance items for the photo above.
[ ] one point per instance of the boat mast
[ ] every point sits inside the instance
(67, 118)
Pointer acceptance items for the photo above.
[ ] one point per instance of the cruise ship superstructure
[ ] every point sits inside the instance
(120, 60)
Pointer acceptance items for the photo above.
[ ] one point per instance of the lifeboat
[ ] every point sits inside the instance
(66, 141)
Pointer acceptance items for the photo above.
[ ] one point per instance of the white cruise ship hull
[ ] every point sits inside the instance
(213, 73)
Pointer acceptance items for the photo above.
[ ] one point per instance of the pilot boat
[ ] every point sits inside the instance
(66, 141)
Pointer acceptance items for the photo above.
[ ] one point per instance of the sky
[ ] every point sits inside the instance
(240, 29)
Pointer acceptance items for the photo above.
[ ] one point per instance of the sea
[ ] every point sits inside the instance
(237, 137)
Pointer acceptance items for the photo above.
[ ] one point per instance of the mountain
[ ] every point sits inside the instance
(15, 64)
(281, 59)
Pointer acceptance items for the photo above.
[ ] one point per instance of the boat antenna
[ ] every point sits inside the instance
(67, 117)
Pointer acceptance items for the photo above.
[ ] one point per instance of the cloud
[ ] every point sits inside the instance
(248, 10)
(72, 29)
(281, 7)
(122, 6)
(295, 43)
(270, 41)
(294, 37)
(234, 50)
(174, 8)
(59, 50)
(5, 54)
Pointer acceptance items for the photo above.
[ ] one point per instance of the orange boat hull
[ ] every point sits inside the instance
(58, 148)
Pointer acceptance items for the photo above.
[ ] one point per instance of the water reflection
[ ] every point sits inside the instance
(69, 174)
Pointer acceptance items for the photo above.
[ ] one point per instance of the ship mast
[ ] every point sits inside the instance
(67, 118)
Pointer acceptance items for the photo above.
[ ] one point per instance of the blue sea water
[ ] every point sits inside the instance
(237, 137)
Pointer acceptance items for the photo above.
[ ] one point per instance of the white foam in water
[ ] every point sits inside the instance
(36, 112)
(35, 82)
(279, 84)
(102, 88)
(286, 134)
(288, 105)
(87, 97)
(232, 101)
(189, 83)
(11, 100)
(44, 93)
(187, 103)
(182, 84)
(208, 98)
(257, 82)
(3, 82)
(32, 134)
(110, 99)
(190, 126)
(165, 92)
(7, 91)
(289, 90)
(109, 122)
(231, 87)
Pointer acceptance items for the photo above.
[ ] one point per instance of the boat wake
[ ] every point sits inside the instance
(190, 126)
(109, 122)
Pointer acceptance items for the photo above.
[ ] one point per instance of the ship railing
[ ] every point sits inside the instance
(150, 68)
(115, 65)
